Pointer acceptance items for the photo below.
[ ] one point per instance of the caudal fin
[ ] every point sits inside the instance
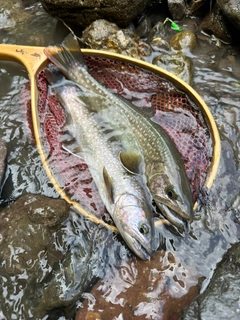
(67, 56)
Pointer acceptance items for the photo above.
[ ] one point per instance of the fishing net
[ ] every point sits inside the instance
(156, 97)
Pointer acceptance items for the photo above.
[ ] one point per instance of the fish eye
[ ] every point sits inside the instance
(171, 193)
(144, 229)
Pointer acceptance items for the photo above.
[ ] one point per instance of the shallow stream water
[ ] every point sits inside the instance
(90, 252)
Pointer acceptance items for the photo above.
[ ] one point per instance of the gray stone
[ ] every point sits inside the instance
(157, 31)
(178, 64)
(105, 35)
(231, 9)
(83, 13)
(221, 300)
(177, 8)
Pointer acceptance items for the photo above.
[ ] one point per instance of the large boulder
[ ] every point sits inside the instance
(26, 261)
(83, 13)
(215, 24)
(231, 9)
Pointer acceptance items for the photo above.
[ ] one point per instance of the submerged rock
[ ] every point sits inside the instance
(21, 20)
(83, 13)
(141, 290)
(178, 64)
(12, 14)
(221, 300)
(104, 35)
(3, 154)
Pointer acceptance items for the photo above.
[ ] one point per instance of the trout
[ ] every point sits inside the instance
(114, 170)
(166, 176)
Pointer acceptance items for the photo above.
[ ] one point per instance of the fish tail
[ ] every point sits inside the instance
(67, 56)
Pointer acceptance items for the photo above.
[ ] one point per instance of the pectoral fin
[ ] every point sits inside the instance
(108, 184)
(131, 161)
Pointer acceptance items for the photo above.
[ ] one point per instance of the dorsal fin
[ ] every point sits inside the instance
(131, 161)
(108, 185)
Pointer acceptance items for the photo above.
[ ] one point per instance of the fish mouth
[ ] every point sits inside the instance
(138, 245)
(143, 252)
(179, 220)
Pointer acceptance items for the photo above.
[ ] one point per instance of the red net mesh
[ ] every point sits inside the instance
(170, 107)
(71, 172)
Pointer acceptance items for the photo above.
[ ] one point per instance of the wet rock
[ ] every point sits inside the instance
(199, 8)
(3, 154)
(215, 24)
(144, 27)
(221, 299)
(231, 9)
(83, 13)
(177, 8)
(193, 6)
(29, 224)
(156, 37)
(178, 64)
(26, 228)
(159, 44)
(104, 35)
(158, 31)
(183, 40)
(49, 257)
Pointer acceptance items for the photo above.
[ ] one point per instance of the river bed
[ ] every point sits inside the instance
(186, 261)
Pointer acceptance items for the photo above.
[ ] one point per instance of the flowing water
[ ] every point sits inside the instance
(89, 252)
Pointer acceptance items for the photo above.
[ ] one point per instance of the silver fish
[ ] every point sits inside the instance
(166, 175)
(124, 194)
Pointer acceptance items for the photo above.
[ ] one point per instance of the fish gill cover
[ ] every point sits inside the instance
(156, 97)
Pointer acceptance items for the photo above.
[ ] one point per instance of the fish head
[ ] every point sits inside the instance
(173, 199)
(135, 224)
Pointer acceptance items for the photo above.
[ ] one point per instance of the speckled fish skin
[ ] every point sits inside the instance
(127, 200)
(166, 175)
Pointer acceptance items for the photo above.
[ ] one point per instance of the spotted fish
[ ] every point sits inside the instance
(165, 172)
